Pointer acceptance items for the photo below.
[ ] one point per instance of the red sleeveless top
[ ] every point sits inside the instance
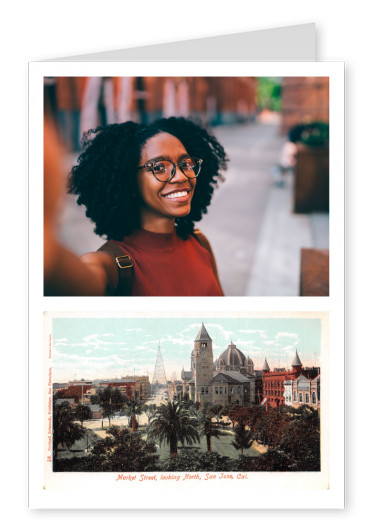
(166, 265)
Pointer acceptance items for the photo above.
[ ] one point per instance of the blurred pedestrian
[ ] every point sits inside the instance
(287, 161)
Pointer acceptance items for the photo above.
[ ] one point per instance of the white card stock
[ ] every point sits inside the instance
(285, 53)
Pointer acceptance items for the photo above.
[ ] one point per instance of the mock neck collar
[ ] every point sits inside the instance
(153, 241)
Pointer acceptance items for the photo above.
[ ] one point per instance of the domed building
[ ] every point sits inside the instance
(228, 381)
(233, 359)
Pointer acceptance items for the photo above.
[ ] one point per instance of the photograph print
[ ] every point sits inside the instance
(186, 186)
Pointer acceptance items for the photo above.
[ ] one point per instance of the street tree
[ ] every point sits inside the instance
(270, 425)
(233, 414)
(131, 409)
(65, 430)
(83, 412)
(193, 460)
(172, 423)
(300, 439)
(206, 426)
(110, 401)
(122, 451)
(243, 437)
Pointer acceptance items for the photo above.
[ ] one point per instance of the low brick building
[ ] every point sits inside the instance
(125, 386)
(278, 385)
(80, 393)
(141, 389)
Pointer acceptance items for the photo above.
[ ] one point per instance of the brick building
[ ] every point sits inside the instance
(126, 386)
(80, 392)
(133, 387)
(279, 385)
(141, 389)
(81, 103)
(215, 100)
(304, 100)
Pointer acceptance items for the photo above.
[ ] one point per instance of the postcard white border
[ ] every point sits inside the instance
(251, 491)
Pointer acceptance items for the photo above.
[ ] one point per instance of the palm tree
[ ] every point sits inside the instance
(131, 409)
(172, 423)
(207, 429)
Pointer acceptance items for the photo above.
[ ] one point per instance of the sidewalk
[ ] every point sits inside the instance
(235, 216)
(276, 266)
(255, 235)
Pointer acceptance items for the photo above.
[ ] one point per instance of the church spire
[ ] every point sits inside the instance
(203, 334)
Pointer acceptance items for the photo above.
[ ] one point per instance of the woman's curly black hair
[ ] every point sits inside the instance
(105, 177)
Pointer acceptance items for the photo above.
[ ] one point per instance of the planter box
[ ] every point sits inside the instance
(311, 184)
(314, 273)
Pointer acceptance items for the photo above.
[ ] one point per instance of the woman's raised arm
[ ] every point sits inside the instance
(64, 272)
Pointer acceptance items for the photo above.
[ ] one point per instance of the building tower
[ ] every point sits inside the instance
(265, 367)
(159, 376)
(202, 366)
(296, 364)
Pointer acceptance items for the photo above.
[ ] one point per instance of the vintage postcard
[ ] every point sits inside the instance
(180, 403)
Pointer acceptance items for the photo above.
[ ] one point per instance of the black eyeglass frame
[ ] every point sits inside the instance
(150, 165)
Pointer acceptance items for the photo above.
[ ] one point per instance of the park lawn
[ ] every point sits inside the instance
(222, 446)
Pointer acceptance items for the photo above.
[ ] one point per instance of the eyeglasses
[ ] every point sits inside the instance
(165, 170)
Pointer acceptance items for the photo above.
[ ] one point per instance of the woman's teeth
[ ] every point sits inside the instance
(176, 194)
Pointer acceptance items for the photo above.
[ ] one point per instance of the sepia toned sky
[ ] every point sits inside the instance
(94, 348)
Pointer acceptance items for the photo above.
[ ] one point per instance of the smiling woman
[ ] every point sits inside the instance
(169, 194)
(144, 187)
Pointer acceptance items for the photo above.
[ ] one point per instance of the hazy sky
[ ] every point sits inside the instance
(115, 347)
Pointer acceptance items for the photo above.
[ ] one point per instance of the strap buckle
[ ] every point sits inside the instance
(128, 262)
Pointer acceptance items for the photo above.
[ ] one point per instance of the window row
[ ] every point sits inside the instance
(306, 397)
(273, 385)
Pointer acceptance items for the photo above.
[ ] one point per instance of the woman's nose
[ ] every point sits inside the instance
(177, 175)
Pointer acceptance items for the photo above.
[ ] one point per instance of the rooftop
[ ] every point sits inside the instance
(203, 334)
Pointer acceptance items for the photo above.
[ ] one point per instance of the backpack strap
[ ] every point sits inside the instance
(204, 242)
(125, 267)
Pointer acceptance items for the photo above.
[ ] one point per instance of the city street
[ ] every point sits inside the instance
(254, 233)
